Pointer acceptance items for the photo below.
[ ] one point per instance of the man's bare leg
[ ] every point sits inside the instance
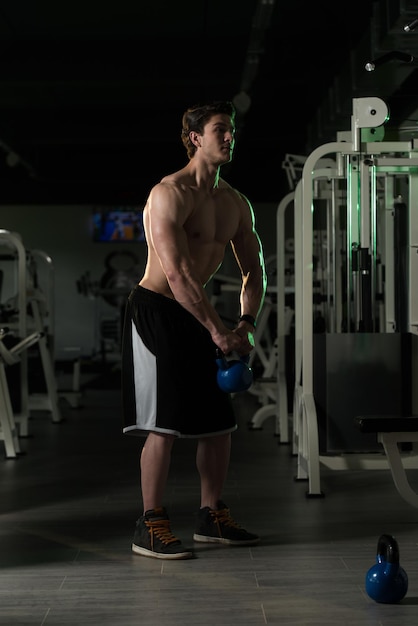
(212, 460)
(153, 536)
(155, 464)
(214, 522)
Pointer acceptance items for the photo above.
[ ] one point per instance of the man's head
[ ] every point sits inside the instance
(196, 117)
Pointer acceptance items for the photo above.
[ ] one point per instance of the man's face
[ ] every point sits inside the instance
(218, 138)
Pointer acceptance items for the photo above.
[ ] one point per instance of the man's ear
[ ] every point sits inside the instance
(195, 138)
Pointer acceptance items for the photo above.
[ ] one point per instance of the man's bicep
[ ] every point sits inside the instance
(248, 250)
(167, 217)
(169, 237)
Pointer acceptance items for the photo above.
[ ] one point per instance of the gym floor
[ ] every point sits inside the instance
(69, 503)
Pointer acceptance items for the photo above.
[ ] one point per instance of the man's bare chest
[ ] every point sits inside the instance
(212, 220)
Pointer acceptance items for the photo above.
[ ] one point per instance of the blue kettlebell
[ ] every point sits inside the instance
(234, 374)
(387, 581)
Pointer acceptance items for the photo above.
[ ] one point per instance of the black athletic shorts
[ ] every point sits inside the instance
(169, 371)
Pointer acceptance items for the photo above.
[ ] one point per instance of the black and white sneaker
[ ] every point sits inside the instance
(217, 526)
(153, 537)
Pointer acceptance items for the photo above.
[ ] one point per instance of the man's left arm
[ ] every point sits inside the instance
(248, 252)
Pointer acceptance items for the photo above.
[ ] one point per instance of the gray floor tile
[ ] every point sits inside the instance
(68, 508)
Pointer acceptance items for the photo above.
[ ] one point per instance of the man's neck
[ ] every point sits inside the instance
(205, 176)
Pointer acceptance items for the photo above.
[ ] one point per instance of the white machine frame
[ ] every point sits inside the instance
(386, 157)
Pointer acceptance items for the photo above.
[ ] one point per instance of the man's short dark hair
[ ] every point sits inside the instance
(195, 118)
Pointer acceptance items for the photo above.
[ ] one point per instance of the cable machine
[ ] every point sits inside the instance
(365, 353)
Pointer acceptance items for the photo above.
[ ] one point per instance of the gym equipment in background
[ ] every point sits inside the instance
(10, 356)
(25, 308)
(112, 289)
(361, 359)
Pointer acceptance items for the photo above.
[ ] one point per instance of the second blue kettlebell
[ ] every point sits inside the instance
(234, 374)
(387, 581)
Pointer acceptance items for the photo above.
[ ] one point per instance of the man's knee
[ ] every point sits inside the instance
(162, 440)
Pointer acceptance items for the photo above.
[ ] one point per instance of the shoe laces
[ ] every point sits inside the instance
(223, 517)
(161, 530)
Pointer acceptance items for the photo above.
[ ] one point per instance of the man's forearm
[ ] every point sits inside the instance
(192, 296)
(252, 295)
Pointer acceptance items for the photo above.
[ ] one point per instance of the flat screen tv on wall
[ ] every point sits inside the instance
(117, 224)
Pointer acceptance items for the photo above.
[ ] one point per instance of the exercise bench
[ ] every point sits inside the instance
(392, 430)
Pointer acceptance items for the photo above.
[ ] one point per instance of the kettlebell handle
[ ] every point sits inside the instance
(388, 548)
(231, 356)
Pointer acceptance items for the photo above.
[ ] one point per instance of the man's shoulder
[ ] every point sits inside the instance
(173, 192)
(232, 191)
(170, 184)
(180, 177)
(177, 182)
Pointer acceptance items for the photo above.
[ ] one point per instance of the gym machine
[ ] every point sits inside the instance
(284, 297)
(121, 275)
(27, 311)
(363, 360)
(9, 357)
(281, 283)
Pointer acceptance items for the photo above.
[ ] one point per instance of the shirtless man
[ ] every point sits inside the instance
(172, 331)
